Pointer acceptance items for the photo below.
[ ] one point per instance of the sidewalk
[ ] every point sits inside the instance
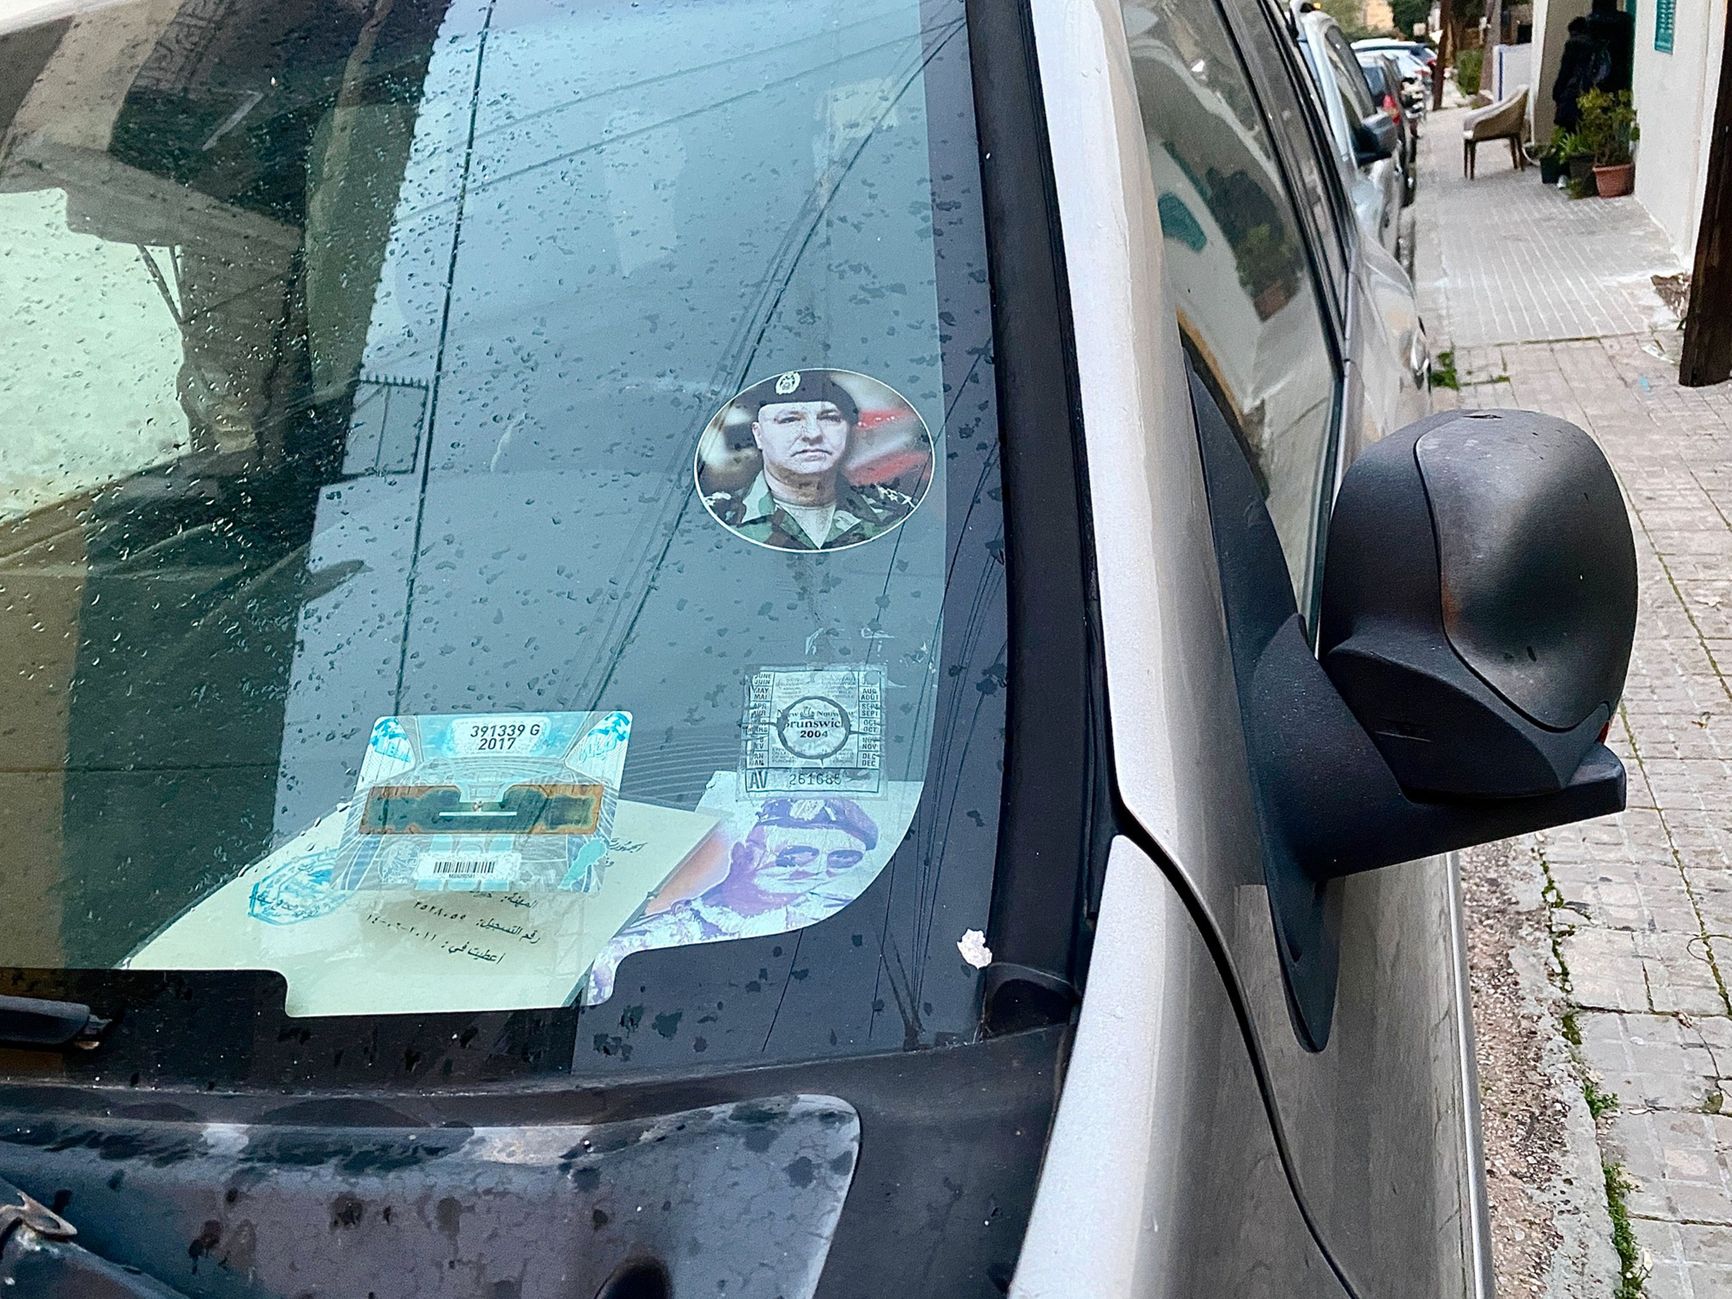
(1599, 950)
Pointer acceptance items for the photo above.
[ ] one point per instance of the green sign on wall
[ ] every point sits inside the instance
(1664, 13)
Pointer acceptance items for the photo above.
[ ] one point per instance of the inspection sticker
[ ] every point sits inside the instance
(814, 729)
(484, 802)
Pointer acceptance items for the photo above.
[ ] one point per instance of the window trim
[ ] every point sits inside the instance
(1052, 834)
(1345, 66)
(1346, 234)
(1335, 311)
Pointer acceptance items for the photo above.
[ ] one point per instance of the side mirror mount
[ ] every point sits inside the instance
(1375, 138)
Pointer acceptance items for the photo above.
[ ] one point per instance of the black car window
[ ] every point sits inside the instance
(505, 511)
(1375, 79)
(1236, 256)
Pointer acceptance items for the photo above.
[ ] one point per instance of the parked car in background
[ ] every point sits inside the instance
(1032, 870)
(1420, 52)
(1366, 140)
(1416, 75)
(1417, 61)
(1384, 80)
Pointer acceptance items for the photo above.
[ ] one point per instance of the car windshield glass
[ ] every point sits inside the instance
(502, 511)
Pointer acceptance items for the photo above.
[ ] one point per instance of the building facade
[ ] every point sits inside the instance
(1677, 72)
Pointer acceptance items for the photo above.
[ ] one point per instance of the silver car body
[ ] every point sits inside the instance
(1376, 188)
(1203, 1161)
(1207, 1141)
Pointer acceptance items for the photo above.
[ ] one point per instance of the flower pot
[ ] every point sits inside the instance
(1615, 181)
(1550, 169)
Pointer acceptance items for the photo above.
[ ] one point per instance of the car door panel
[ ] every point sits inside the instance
(1387, 350)
(1162, 1179)
(1378, 1120)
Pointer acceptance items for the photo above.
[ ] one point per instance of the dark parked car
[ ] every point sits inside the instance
(768, 649)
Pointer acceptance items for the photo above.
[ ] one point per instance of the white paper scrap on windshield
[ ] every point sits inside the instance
(404, 951)
(791, 861)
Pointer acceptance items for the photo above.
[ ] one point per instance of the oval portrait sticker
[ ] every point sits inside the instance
(814, 460)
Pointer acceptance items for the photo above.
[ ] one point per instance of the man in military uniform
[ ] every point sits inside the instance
(800, 500)
(802, 860)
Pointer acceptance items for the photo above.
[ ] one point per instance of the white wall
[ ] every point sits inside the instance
(1675, 108)
(1512, 68)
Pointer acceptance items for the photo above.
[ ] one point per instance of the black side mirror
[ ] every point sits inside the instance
(1375, 138)
(1479, 602)
(1478, 606)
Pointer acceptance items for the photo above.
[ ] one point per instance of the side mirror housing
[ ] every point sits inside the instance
(1479, 602)
(1375, 138)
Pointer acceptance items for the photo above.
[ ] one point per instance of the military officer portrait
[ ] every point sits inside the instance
(814, 460)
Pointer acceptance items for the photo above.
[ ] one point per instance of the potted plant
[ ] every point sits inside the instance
(1265, 259)
(1575, 160)
(1608, 128)
(1551, 159)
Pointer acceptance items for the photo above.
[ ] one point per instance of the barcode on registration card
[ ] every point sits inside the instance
(463, 865)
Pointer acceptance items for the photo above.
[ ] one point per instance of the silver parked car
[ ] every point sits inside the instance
(762, 650)
(1367, 144)
(1384, 82)
(1417, 59)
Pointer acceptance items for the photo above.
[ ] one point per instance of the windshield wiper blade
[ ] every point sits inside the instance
(38, 1257)
(29, 1021)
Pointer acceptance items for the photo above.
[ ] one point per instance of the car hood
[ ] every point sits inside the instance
(857, 1177)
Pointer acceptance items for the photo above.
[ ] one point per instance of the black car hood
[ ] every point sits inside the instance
(910, 1173)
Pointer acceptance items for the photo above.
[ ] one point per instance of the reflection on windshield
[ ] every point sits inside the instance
(365, 355)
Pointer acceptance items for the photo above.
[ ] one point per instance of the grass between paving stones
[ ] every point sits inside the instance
(1443, 371)
(1600, 1103)
(1630, 1272)
(1444, 374)
(1572, 1027)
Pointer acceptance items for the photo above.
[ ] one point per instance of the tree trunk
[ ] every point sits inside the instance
(1707, 356)
(1445, 51)
(1493, 35)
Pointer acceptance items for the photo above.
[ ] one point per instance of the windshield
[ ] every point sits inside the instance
(501, 510)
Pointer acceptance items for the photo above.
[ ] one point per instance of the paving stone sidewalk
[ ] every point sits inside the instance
(1620, 1028)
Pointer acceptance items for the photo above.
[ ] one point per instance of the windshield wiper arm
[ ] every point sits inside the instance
(38, 1257)
(28, 1021)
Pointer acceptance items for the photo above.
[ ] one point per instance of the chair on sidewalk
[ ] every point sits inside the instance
(1505, 120)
